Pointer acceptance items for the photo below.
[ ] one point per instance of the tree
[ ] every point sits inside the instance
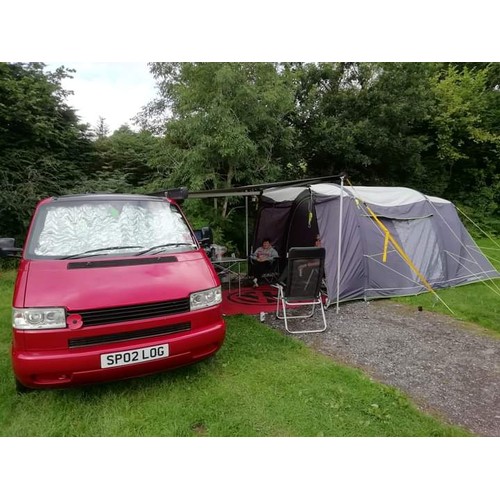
(101, 129)
(364, 119)
(126, 158)
(228, 123)
(44, 151)
(464, 129)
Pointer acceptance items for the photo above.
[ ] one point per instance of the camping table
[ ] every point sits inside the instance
(230, 265)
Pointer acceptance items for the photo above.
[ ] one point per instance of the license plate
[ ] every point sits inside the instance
(134, 356)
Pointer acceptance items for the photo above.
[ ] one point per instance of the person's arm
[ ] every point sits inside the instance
(274, 254)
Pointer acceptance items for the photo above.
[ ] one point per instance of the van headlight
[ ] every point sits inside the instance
(38, 318)
(205, 298)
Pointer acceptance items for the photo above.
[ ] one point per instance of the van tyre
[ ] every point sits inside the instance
(20, 388)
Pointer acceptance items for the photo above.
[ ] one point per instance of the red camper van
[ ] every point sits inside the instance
(110, 286)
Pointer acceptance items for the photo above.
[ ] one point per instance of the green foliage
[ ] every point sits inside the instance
(201, 213)
(229, 231)
(43, 149)
(228, 123)
(101, 130)
(466, 139)
(364, 118)
(127, 155)
(9, 264)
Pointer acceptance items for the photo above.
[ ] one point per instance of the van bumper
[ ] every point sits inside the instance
(71, 367)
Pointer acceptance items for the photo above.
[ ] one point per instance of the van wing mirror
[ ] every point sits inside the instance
(205, 239)
(177, 194)
(8, 249)
(206, 236)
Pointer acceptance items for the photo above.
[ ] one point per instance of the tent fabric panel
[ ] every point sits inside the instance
(352, 269)
(464, 261)
(417, 210)
(278, 195)
(438, 201)
(302, 230)
(389, 278)
(327, 190)
(386, 196)
(450, 230)
(272, 224)
(420, 243)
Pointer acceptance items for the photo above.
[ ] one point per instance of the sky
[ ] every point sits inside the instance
(115, 91)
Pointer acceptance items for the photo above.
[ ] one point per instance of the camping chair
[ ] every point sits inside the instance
(300, 285)
(273, 274)
(270, 275)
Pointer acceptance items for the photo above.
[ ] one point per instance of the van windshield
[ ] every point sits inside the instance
(85, 228)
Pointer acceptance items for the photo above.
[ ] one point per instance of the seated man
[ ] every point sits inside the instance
(263, 260)
(311, 263)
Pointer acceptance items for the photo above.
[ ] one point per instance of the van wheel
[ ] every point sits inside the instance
(20, 388)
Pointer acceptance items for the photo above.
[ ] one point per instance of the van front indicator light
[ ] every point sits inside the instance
(38, 318)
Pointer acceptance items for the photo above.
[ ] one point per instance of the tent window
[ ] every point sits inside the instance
(419, 241)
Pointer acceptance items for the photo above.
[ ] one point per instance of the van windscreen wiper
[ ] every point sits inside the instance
(87, 252)
(164, 245)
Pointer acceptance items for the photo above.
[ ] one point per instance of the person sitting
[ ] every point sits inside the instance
(263, 260)
(311, 263)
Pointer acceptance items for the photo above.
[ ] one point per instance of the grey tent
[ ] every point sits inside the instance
(391, 241)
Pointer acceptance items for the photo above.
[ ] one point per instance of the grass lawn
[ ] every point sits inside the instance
(261, 383)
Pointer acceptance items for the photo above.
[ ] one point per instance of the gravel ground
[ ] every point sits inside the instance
(447, 367)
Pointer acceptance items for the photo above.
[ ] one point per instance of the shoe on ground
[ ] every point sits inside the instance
(255, 283)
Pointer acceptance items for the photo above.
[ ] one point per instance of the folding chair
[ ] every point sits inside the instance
(270, 270)
(300, 285)
(272, 275)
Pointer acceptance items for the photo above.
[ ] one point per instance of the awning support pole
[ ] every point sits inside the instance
(340, 240)
(246, 225)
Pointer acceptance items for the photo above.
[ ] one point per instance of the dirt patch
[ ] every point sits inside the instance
(447, 367)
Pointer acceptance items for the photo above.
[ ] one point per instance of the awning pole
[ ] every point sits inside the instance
(340, 239)
(246, 226)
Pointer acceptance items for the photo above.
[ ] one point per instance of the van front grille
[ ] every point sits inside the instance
(138, 334)
(96, 317)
